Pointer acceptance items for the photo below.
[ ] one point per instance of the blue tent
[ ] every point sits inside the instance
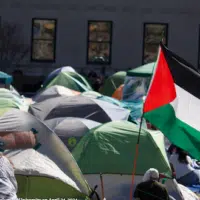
(5, 78)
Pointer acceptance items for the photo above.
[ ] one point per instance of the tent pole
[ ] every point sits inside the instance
(102, 187)
(135, 158)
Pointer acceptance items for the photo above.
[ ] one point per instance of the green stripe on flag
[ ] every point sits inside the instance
(178, 132)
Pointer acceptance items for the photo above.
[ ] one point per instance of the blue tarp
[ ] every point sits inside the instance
(135, 108)
(5, 78)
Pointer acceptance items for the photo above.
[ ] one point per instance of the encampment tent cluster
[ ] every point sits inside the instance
(68, 138)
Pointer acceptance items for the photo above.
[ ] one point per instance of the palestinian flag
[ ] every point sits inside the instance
(173, 101)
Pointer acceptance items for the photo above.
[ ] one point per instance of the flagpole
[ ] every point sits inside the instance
(135, 157)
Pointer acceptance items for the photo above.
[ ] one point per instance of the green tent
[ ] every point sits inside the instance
(142, 71)
(109, 149)
(7, 104)
(10, 99)
(39, 181)
(112, 83)
(70, 80)
(45, 188)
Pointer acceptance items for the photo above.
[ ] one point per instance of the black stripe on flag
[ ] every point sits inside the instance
(184, 74)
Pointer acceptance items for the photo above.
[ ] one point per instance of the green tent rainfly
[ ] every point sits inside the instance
(109, 149)
(142, 71)
(70, 80)
(112, 83)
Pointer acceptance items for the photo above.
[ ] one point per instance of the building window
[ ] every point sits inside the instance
(154, 33)
(43, 40)
(99, 42)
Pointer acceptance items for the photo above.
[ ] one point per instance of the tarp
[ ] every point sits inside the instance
(137, 82)
(78, 106)
(71, 80)
(118, 94)
(113, 145)
(70, 130)
(5, 78)
(112, 83)
(54, 91)
(48, 144)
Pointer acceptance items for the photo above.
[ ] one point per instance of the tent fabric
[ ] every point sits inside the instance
(54, 73)
(118, 94)
(37, 187)
(12, 99)
(91, 94)
(32, 166)
(73, 81)
(54, 91)
(78, 106)
(113, 144)
(135, 108)
(188, 194)
(37, 164)
(6, 105)
(137, 83)
(113, 82)
(5, 93)
(70, 130)
(142, 71)
(5, 78)
(8, 184)
(48, 144)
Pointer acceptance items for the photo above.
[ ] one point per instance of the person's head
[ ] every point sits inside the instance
(182, 155)
(151, 174)
(171, 149)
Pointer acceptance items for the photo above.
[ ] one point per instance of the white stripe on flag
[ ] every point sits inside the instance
(187, 108)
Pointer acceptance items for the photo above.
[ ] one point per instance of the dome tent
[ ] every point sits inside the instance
(42, 176)
(113, 142)
(112, 83)
(54, 151)
(78, 106)
(54, 91)
(70, 130)
(113, 145)
(54, 73)
(71, 80)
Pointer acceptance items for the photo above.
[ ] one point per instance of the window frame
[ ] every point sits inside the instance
(144, 32)
(54, 40)
(110, 43)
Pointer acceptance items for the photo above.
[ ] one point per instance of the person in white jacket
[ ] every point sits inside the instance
(186, 172)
